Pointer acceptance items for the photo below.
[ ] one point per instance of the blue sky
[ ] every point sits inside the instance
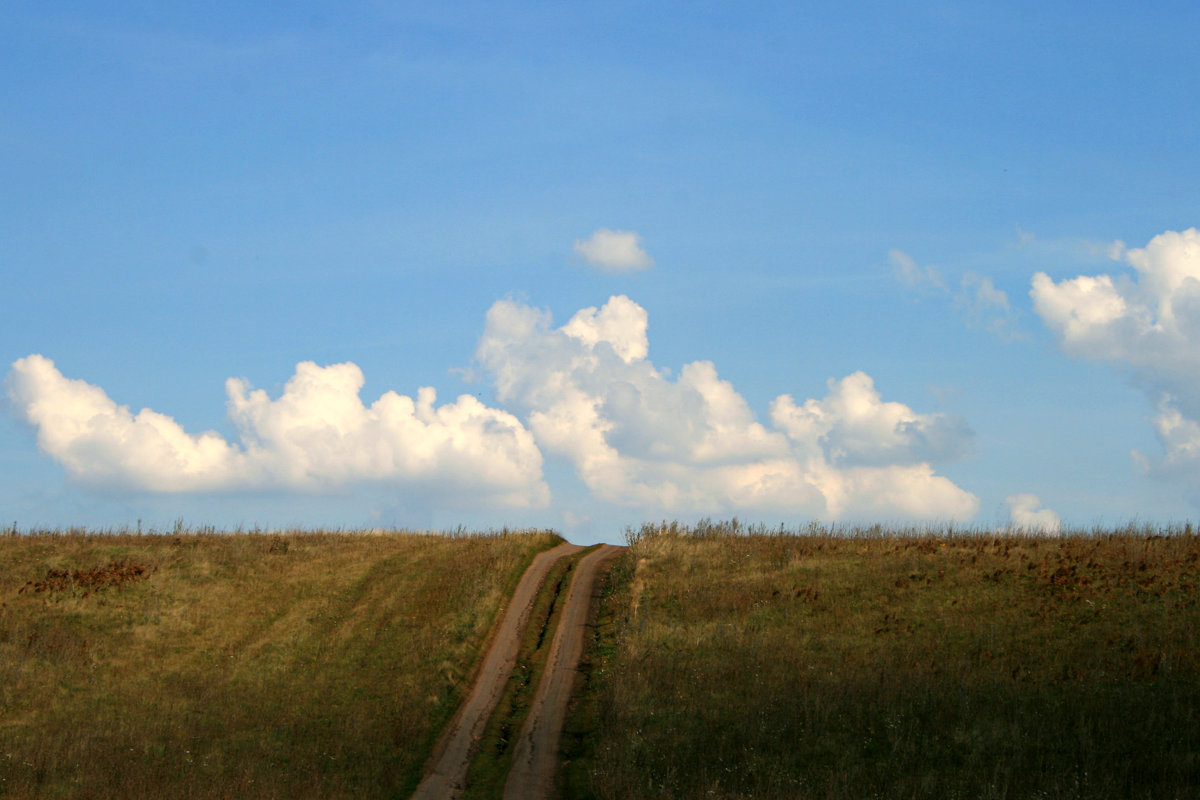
(846, 205)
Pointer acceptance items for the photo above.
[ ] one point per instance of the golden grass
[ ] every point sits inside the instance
(239, 665)
(973, 666)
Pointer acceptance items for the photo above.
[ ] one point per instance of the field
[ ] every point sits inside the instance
(725, 663)
(865, 665)
(297, 665)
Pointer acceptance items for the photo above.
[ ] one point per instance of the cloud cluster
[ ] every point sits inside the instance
(317, 435)
(1025, 513)
(637, 438)
(1147, 323)
(588, 394)
(614, 251)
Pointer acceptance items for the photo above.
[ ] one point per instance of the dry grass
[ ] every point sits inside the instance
(899, 666)
(238, 665)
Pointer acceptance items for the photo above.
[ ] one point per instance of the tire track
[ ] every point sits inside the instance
(535, 759)
(447, 771)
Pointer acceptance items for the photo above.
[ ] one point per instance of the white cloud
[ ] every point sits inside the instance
(1026, 514)
(1151, 324)
(613, 251)
(317, 435)
(982, 295)
(637, 438)
(1180, 440)
(636, 435)
(100, 442)
(910, 273)
(620, 324)
(986, 307)
(1148, 323)
(854, 426)
(983, 305)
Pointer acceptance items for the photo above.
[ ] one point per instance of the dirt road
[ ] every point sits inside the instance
(535, 760)
(453, 753)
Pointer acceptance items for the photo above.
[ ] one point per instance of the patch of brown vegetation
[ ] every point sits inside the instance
(117, 574)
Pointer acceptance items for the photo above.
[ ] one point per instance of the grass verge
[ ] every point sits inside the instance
(584, 716)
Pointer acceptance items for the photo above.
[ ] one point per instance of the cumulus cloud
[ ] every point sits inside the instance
(316, 435)
(1025, 513)
(100, 442)
(1180, 440)
(856, 427)
(613, 251)
(1150, 323)
(1147, 323)
(638, 438)
(636, 435)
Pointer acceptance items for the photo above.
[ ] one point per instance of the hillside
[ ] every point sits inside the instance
(894, 666)
(724, 663)
(300, 665)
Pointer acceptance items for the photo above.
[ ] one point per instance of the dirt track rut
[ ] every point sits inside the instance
(446, 776)
(535, 760)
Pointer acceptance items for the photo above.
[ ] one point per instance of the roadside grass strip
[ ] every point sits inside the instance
(579, 737)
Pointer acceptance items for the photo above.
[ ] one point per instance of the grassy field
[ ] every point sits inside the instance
(296, 665)
(894, 666)
(727, 664)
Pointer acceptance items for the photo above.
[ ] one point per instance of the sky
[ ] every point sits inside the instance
(581, 266)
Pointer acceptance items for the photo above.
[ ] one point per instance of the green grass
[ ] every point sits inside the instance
(239, 665)
(895, 666)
